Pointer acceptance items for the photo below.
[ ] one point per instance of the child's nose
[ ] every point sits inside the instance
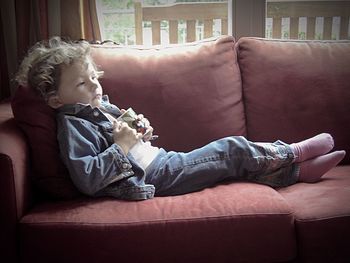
(93, 85)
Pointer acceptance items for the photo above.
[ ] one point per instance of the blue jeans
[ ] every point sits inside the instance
(231, 158)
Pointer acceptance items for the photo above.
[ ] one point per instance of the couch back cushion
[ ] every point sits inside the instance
(38, 122)
(295, 89)
(191, 93)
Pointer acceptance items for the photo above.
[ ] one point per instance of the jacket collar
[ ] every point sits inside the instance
(80, 108)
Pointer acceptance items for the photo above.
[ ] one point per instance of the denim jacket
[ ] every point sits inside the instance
(98, 166)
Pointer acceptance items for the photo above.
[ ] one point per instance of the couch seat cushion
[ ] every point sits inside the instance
(218, 224)
(322, 212)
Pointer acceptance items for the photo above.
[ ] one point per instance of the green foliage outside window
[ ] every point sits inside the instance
(114, 4)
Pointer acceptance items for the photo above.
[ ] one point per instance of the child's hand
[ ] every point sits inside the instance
(125, 136)
(149, 129)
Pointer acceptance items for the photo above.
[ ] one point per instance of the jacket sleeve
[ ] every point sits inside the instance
(91, 162)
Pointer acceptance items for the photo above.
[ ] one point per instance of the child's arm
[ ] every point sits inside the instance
(91, 162)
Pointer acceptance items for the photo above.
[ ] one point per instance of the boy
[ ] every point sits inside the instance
(105, 157)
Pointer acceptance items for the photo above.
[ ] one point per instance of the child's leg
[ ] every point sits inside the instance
(229, 158)
(313, 147)
(312, 170)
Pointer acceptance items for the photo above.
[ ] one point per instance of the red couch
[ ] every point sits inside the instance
(193, 93)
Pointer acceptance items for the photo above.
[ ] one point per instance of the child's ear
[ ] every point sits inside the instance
(54, 102)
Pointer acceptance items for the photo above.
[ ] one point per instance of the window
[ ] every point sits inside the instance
(161, 21)
(310, 19)
(177, 21)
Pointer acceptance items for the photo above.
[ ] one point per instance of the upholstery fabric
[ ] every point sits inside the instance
(291, 89)
(13, 201)
(173, 85)
(322, 216)
(13, 143)
(168, 229)
(38, 122)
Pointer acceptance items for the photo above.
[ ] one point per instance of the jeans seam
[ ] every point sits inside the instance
(206, 159)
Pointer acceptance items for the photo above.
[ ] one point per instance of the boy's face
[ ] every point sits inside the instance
(78, 84)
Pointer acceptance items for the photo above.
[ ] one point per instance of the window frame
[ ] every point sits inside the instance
(248, 18)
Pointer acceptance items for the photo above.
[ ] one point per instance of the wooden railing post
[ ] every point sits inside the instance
(276, 27)
(344, 27)
(294, 27)
(191, 30)
(208, 28)
(327, 27)
(310, 27)
(138, 23)
(224, 26)
(173, 31)
(155, 32)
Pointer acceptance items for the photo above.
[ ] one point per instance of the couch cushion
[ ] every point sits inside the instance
(38, 122)
(219, 224)
(322, 213)
(295, 89)
(191, 93)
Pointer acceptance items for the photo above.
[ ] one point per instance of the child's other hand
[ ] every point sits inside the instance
(125, 136)
(149, 134)
(149, 129)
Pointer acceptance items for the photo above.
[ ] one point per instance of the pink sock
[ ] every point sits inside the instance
(313, 147)
(312, 170)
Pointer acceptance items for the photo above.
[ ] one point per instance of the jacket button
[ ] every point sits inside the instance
(125, 166)
(95, 113)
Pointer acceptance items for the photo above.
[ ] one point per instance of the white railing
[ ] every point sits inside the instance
(187, 22)
(189, 12)
(309, 12)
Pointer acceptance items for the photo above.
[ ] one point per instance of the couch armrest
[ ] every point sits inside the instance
(14, 181)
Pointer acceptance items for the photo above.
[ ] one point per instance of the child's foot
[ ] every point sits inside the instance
(312, 170)
(313, 147)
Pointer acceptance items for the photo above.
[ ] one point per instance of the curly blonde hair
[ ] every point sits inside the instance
(41, 68)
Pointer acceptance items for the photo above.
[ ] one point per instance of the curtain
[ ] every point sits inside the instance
(31, 23)
(79, 20)
(91, 26)
(24, 22)
(4, 78)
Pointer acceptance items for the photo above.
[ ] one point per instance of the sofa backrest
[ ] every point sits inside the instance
(175, 84)
(295, 89)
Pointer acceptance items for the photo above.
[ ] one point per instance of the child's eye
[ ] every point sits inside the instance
(81, 83)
